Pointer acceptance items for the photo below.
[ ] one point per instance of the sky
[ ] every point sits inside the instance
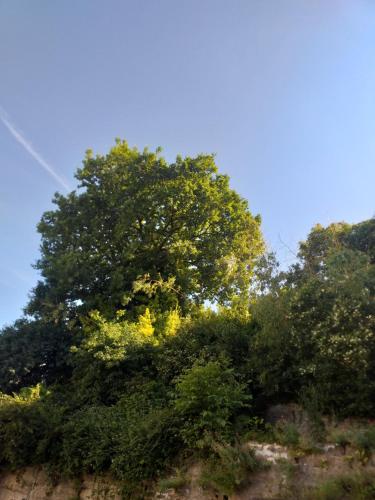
(283, 91)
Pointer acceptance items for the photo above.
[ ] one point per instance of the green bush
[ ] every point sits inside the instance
(287, 435)
(135, 438)
(88, 440)
(229, 468)
(28, 428)
(342, 439)
(210, 336)
(146, 446)
(364, 440)
(207, 398)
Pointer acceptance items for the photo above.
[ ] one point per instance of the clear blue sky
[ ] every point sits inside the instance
(282, 90)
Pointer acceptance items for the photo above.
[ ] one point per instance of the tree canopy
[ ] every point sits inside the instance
(141, 229)
(318, 322)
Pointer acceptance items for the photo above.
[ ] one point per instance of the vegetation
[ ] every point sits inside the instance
(229, 468)
(127, 368)
(175, 482)
(142, 231)
(353, 487)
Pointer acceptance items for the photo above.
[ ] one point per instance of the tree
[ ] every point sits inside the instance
(332, 318)
(323, 241)
(139, 230)
(31, 352)
(317, 324)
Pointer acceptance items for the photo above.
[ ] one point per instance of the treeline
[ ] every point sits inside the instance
(120, 366)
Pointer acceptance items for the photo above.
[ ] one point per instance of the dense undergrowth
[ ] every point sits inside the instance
(128, 373)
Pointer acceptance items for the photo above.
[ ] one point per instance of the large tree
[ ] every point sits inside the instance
(140, 229)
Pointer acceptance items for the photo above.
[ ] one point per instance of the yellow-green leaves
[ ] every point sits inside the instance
(145, 327)
(172, 324)
(111, 341)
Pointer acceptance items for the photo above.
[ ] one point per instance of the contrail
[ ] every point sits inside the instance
(29, 148)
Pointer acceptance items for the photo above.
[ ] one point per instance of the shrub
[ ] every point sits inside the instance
(228, 468)
(287, 435)
(207, 398)
(364, 440)
(210, 336)
(28, 428)
(146, 446)
(342, 439)
(135, 438)
(88, 440)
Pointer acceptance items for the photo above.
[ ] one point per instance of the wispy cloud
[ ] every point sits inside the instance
(22, 276)
(26, 144)
(8, 274)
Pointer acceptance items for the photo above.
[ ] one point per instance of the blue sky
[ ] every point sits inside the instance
(283, 91)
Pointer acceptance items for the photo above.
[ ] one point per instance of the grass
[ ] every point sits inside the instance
(288, 487)
(342, 439)
(363, 439)
(175, 482)
(288, 435)
(287, 468)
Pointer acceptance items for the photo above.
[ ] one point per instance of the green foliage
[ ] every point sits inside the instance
(210, 336)
(28, 425)
(322, 241)
(134, 439)
(33, 351)
(207, 398)
(317, 327)
(111, 341)
(361, 437)
(137, 222)
(288, 435)
(364, 440)
(175, 482)
(134, 447)
(341, 439)
(354, 487)
(148, 447)
(337, 309)
(273, 351)
(89, 439)
(229, 468)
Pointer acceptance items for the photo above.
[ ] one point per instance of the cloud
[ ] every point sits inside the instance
(22, 276)
(20, 138)
(7, 275)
